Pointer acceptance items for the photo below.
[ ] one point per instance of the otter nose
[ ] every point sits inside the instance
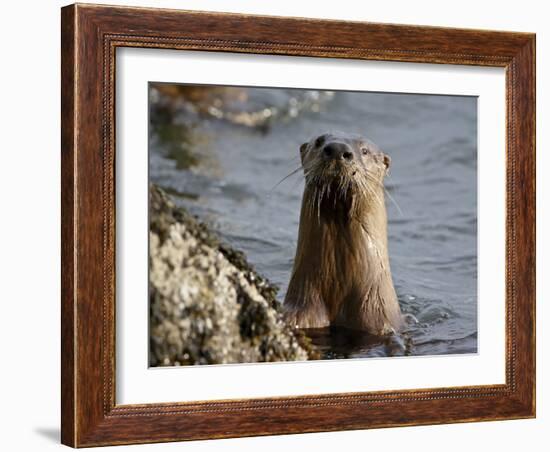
(338, 151)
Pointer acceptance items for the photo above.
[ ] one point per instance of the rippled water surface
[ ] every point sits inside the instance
(222, 155)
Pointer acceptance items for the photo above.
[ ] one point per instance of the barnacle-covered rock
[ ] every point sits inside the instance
(207, 304)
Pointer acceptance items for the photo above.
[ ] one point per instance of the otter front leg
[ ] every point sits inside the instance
(376, 310)
(382, 315)
(306, 314)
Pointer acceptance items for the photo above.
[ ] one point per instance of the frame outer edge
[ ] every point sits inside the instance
(68, 230)
(534, 226)
(525, 62)
(86, 418)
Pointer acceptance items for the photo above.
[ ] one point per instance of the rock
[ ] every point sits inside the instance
(207, 304)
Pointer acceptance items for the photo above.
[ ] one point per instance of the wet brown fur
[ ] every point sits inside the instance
(341, 274)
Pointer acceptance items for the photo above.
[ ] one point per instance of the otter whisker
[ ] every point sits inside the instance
(370, 190)
(286, 177)
(387, 193)
(319, 199)
(365, 188)
(394, 202)
(312, 201)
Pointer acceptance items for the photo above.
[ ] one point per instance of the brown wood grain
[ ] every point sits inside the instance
(67, 226)
(90, 36)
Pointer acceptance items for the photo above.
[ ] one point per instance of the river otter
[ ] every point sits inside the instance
(341, 273)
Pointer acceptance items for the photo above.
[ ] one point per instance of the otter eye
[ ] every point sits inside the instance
(364, 151)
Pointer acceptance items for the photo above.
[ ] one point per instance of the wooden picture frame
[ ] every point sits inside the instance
(90, 36)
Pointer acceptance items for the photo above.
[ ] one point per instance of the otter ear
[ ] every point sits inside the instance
(387, 161)
(303, 148)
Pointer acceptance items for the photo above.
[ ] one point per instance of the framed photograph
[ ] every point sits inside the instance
(283, 225)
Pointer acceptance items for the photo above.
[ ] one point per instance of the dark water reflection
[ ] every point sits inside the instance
(338, 343)
(223, 157)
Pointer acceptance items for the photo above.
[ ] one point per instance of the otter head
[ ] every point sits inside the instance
(343, 173)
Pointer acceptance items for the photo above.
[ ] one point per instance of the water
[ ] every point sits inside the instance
(225, 167)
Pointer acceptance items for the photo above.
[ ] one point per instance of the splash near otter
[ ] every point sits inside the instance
(341, 274)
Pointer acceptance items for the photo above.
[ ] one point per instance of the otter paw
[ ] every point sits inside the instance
(387, 330)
